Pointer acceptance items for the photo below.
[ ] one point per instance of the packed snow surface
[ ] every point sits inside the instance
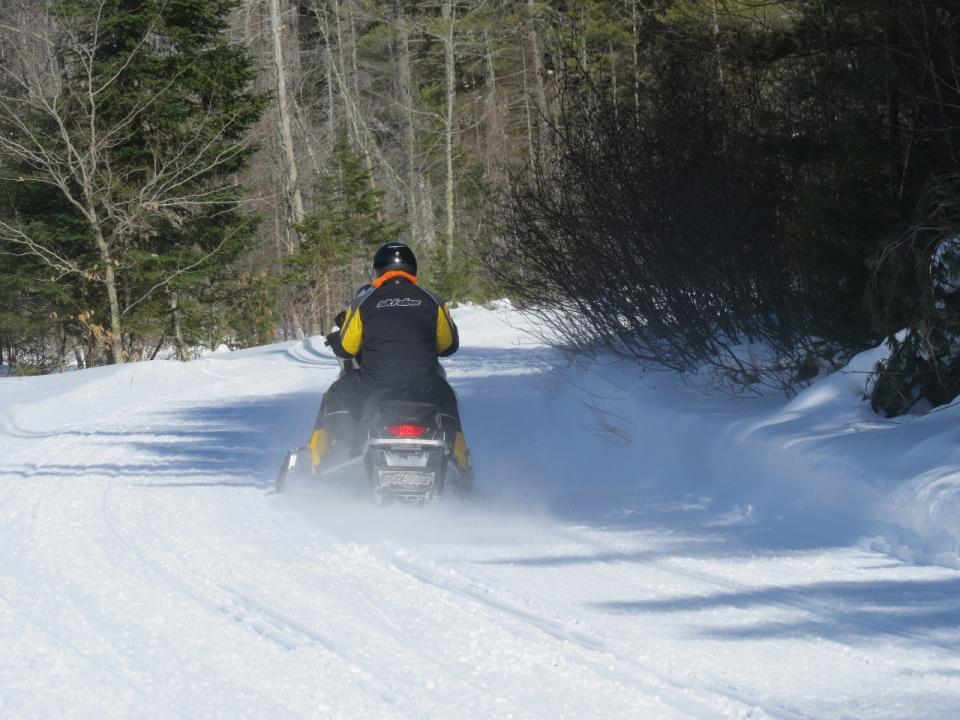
(636, 549)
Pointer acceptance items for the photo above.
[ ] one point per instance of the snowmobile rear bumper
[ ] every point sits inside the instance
(406, 469)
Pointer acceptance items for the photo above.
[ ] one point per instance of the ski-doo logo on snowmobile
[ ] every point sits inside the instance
(398, 302)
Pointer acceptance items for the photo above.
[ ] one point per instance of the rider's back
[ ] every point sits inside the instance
(401, 329)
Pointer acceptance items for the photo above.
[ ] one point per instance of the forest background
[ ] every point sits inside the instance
(762, 187)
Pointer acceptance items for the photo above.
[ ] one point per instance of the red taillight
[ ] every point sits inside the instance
(406, 431)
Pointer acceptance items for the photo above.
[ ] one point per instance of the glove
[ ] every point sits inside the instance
(332, 339)
(340, 318)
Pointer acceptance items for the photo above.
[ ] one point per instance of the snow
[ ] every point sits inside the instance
(637, 549)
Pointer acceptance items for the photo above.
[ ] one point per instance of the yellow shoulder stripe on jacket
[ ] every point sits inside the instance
(444, 334)
(351, 335)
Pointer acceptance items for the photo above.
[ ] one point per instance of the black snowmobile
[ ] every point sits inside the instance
(404, 452)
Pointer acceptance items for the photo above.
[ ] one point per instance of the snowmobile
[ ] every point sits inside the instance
(405, 453)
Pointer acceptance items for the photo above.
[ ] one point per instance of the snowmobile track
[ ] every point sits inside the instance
(642, 677)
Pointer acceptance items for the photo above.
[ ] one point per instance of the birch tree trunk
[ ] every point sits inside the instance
(178, 327)
(354, 63)
(528, 112)
(494, 123)
(448, 14)
(331, 96)
(344, 84)
(538, 82)
(716, 41)
(635, 17)
(615, 84)
(98, 353)
(110, 283)
(292, 176)
(405, 92)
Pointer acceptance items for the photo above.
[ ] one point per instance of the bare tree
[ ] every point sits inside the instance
(61, 129)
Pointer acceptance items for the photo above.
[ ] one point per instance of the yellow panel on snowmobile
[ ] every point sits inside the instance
(317, 446)
(461, 456)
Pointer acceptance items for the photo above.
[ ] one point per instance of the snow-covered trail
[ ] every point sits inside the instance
(148, 570)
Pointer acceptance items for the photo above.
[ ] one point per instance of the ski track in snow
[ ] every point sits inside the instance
(149, 571)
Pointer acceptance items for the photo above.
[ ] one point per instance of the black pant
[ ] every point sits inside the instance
(350, 402)
(340, 411)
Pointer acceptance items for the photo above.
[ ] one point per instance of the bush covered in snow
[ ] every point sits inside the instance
(923, 367)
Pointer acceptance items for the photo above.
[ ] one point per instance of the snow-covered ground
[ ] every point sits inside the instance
(637, 550)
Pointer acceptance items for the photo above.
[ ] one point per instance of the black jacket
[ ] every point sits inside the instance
(398, 330)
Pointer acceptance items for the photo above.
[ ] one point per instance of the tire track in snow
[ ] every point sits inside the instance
(453, 581)
(248, 607)
(55, 591)
(234, 605)
(642, 674)
(49, 490)
(592, 653)
(447, 611)
(131, 556)
(263, 618)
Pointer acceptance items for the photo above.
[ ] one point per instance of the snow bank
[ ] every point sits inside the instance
(496, 324)
(895, 483)
(822, 468)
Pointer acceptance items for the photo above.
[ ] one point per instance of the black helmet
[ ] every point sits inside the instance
(393, 256)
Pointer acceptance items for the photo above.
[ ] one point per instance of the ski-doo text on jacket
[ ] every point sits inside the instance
(398, 330)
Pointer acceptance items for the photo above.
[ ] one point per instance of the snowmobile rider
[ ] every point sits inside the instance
(397, 331)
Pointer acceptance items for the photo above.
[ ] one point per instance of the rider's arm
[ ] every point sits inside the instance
(351, 325)
(448, 338)
(351, 332)
(335, 344)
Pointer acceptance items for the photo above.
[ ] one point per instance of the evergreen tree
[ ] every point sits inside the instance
(340, 235)
(137, 115)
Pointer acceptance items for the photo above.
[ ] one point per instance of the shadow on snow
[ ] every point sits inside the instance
(847, 611)
(235, 444)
